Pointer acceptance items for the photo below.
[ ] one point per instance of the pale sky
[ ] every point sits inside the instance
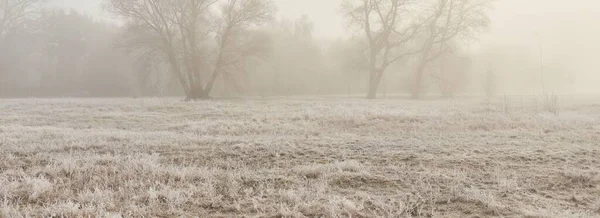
(510, 17)
(567, 28)
(326, 12)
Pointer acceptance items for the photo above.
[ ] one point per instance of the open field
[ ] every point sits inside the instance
(321, 157)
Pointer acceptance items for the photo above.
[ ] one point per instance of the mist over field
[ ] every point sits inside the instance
(524, 42)
(299, 108)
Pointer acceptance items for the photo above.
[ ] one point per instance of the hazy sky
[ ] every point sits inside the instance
(326, 12)
(567, 29)
(511, 18)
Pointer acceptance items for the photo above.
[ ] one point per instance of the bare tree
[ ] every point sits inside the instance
(161, 28)
(237, 37)
(388, 26)
(15, 13)
(450, 20)
(179, 31)
(16, 19)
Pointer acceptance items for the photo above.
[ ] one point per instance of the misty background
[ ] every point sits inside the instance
(75, 50)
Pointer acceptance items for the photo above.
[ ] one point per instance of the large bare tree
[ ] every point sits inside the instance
(180, 33)
(450, 20)
(388, 27)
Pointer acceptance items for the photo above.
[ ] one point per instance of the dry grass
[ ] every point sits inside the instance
(297, 158)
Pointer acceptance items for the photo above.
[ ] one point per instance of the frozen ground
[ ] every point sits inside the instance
(321, 157)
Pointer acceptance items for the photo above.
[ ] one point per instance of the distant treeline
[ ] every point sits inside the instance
(204, 48)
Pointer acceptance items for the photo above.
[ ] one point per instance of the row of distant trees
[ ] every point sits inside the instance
(204, 48)
(58, 53)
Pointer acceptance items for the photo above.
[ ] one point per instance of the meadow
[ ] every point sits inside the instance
(300, 157)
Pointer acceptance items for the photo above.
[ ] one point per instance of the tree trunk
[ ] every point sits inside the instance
(1, 82)
(211, 83)
(374, 76)
(372, 92)
(420, 70)
(177, 71)
(424, 59)
(197, 93)
(418, 83)
(215, 74)
(374, 79)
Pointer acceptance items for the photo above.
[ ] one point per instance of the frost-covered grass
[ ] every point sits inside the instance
(319, 157)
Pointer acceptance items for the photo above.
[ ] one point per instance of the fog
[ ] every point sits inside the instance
(567, 30)
(299, 108)
(530, 47)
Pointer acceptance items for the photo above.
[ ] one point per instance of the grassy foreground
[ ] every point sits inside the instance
(298, 158)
